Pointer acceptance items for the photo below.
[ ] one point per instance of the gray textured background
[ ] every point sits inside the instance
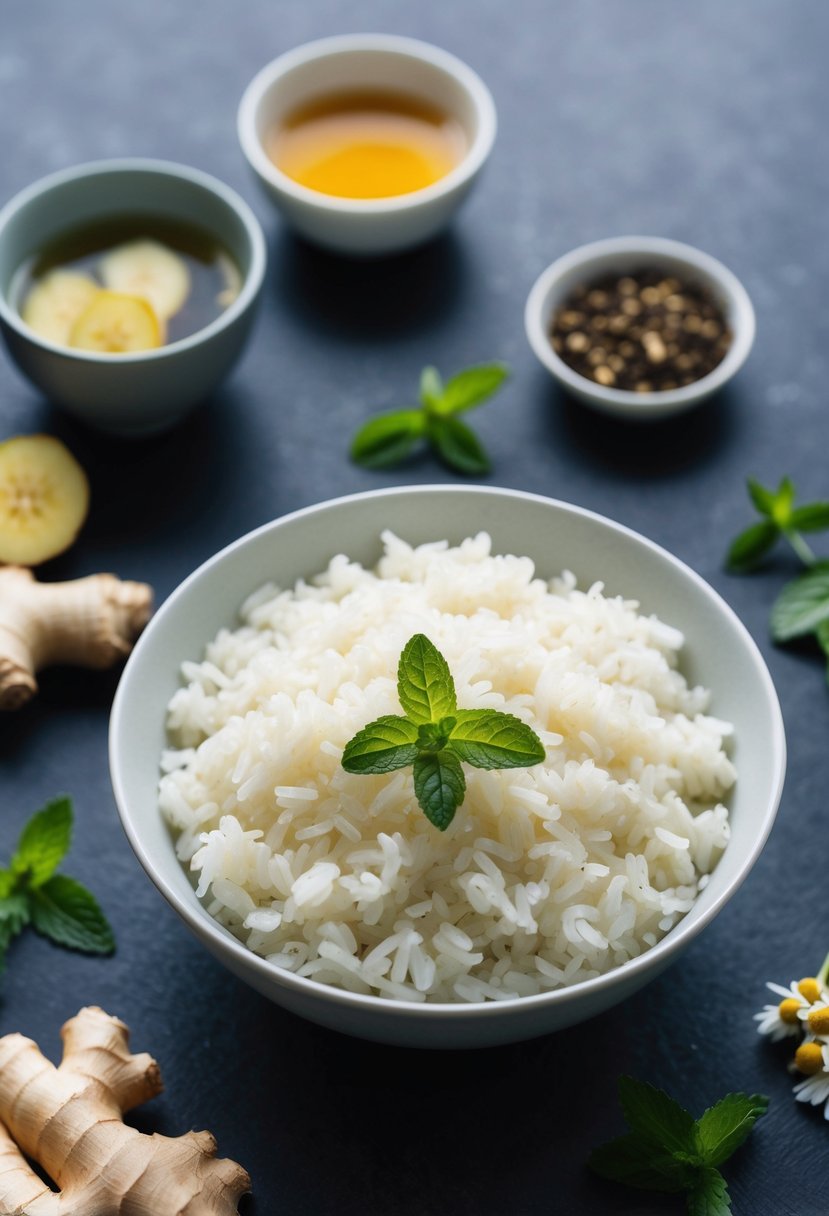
(702, 122)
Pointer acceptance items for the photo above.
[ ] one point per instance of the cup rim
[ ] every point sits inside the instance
(161, 168)
(624, 401)
(244, 961)
(321, 49)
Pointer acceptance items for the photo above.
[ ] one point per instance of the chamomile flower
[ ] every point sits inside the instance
(812, 1059)
(785, 1018)
(803, 1010)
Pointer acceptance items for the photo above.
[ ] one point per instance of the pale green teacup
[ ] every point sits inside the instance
(130, 394)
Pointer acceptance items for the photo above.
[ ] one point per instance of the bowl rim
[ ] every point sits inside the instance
(624, 401)
(318, 51)
(149, 166)
(224, 944)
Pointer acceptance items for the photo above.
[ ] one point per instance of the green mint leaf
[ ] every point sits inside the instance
(724, 1127)
(44, 842)
(802, 604)
(380, 747)
(751, 546)
(439, 786)
(388, 438)
(472, 387)
(709, 1195)
(65, 912)
(8, 879)
(431, 389)
(634, 1162)
(459, 446)
(814, 517)
(783, 502)
(762, 498)
(488, 738)
(656, 1118)
(14, 916)
(668, 1151)
(424, 682)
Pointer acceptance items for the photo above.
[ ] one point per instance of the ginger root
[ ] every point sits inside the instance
(90, 622)
(69, 1119)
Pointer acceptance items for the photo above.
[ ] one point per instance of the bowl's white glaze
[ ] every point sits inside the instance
(624, 255)
(367, 61)
(719, 654)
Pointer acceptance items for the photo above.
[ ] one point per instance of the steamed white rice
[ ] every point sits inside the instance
(547, 876)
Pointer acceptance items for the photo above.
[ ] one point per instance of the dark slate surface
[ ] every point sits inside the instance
(702, 122)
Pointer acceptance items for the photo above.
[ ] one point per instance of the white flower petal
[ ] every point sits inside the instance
(784, 992)
(813, 1090)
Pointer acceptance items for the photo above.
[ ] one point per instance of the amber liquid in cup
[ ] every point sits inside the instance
(367, 144)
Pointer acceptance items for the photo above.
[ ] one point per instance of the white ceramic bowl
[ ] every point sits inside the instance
(623, 255)
(719, 654)
(359, 62)
(148, 391)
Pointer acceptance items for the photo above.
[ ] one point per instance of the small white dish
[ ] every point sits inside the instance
(624, 255)
(359, 62)
(719, 654)
(142, 392)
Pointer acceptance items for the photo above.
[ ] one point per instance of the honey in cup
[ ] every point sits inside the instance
(367, 144)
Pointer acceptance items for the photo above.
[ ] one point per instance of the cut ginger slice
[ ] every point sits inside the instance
(44, 499)
(115, 324)
(56, 301)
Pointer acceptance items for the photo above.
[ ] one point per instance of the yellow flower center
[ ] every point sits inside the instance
(809, 989)
(818, 1020)
(788, 1010)
(808, 1058)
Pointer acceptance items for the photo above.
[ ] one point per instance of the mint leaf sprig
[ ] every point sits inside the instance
(391, 437)
(779, 519)
(668, 1150)
(32, 893)
(802, 607)
(434, 736)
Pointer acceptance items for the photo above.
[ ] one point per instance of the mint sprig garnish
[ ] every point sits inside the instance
(435, 736)
(802, 607)
(391, 437)
(32, 893)
(668, 1150)
(780, 519)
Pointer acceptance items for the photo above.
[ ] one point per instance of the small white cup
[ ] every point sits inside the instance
(358, 62)
(624, 255)
(134, 393)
